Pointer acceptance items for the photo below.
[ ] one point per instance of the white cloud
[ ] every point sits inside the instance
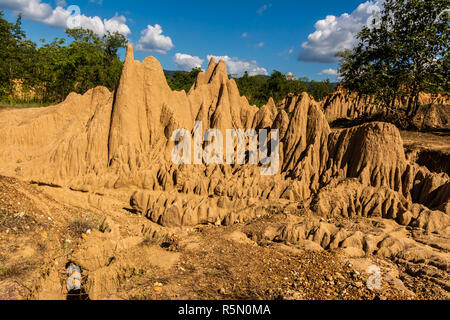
(264, 8)
(290, 76)
(153, 40)
(260, 45)
(61, 17)
(244, 35)
(330, 72)
(237, 67)
(61, 3)
(187, 62)
(117, 24)
(335, 34)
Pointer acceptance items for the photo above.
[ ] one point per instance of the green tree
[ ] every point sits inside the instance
(181, 80)
(320, 89)
(55, 69)
(16, 55)
(403, 52)
(88, 61)
(258, 89)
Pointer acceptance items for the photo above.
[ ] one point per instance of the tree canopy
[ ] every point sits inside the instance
(259, 88)
(51, 70)
(55, 69)
(180, 80)
(403, 52)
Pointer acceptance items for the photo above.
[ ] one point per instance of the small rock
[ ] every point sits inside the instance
(222, 291)
(340, 276)
(157, 289)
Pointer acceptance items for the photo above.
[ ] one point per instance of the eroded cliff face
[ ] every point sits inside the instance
(351, 189)
(434, 112)
(102, 140)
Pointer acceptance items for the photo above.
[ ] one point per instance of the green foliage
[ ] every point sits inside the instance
(404, 53)
(252, 87)
(180, 80)
(16, 55)
(320, 89)
(258, 89)
(55, 69)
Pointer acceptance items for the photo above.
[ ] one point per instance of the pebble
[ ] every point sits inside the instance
(340, 276)
(157, 289)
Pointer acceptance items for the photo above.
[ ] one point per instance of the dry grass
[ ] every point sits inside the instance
(170, 243)
(13, 271)
(82, 224)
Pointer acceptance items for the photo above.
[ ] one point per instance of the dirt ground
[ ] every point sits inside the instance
(42, 229)
(429, 149)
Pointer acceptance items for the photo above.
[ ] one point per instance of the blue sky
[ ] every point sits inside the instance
(251, 35)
